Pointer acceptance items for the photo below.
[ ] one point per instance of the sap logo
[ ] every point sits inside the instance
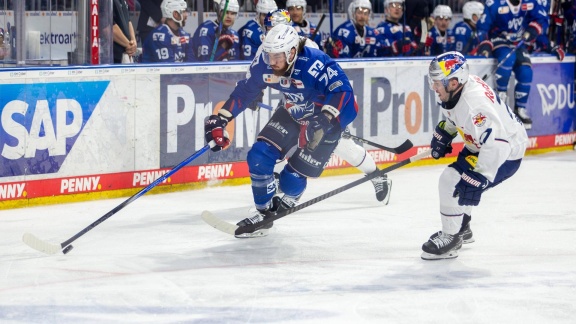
(79, 184)
(146, 178)
(555, 96)
(215, 171)
(40, 123)
(13, 190)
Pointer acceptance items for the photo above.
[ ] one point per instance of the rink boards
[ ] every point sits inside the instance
(106, 131)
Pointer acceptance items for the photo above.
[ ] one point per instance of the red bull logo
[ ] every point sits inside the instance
(479, 120)
(450, 64)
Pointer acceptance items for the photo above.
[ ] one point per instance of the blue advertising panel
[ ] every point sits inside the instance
(40, 123)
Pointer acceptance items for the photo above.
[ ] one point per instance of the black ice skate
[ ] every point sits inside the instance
(524, 117)
(465, 231)
(383, 187)
(442, 246)
(259, 231)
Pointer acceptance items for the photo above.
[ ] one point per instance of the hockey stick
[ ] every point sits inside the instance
(270, 217)
(520, 43)
(219, 31)
(398, 150)
(49, 248)
(318, 27)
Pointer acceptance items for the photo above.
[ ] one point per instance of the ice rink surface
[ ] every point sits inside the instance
(347, 259)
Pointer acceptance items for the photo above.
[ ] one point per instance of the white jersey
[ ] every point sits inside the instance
(488, 127)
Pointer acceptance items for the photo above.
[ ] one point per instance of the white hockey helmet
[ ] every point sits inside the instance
(442, 11)
(233, 5)
(355, 4)
(277, 17)
(169, 6)
(388, 2)
(281, 39)
(265, 6)
(296, 3)
(471, 8)
(448, 66)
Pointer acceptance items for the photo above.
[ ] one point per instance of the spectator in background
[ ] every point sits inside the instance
(226, 38)
(169, 42)
(439, 39)
(297, 10)
(570, 14)
(123, 32)
(252, 34)
(354, 38)
(466, 38)
(150, 17)
(396, 38)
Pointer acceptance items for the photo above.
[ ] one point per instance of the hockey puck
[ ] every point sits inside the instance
(67, 249)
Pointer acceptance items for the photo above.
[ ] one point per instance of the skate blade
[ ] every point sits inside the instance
(448, 255)
(468, 241)
(257, 233)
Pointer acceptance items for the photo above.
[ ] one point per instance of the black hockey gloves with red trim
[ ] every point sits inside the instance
(532, 32)
(470, 187)
(215, 129)
(441, 140)
(317, 127)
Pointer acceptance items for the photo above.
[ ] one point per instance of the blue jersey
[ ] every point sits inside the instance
(203, 43)
(251, 37)
(466, 38)
(503, 20)
(570, 15)
(436, 43)
(355, 45)
(395, 35)
(162, 45)
(307, 29)
(316, 80)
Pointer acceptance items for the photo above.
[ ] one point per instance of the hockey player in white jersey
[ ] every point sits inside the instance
(494, 144)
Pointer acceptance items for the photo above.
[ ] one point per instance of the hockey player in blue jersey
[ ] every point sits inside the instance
(319, 104)
(396, 39)
(227, 40)
(355, 38)
(347, 149)
(439, 39)
(252, 33)
(466, 38)
(297, 10)
(506, 23)
(169, 42)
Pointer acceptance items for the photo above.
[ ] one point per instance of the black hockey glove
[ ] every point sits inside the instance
(484, 49)
(470, 187)
(534, 29)
(441, 140)
(215, 130)
(317, 127)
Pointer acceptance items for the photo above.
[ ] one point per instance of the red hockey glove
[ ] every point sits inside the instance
(215, 130)
(558, 51)
(226, 41)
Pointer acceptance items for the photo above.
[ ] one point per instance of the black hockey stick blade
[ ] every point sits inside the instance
(49, 248)
(270, 217)
(398, 150)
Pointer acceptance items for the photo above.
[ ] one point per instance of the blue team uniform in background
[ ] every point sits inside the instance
(308, 31)
(203, 43)
(354, 45)
(162, 45)
(251, 37)
(395, 35)
(436, 43)
(466, 38)
(504, 25)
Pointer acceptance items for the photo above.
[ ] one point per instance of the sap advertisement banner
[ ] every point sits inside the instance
(41, 122)
(551, 102)
(108, 128)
